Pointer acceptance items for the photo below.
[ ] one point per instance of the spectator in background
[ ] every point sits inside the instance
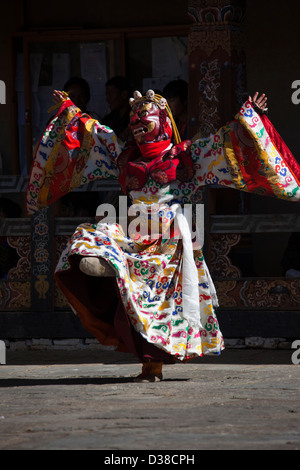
(79, 92)
(176, 93)
(9, 209)
(118, 92)
(291, 257)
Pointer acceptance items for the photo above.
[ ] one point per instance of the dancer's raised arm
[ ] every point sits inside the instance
(74, 150)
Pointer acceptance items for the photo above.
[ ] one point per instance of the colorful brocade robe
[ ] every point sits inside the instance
(165, 286)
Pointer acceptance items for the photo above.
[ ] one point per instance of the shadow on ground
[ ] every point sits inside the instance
(232, 356)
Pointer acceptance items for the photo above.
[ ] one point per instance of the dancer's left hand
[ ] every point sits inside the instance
(58, 96)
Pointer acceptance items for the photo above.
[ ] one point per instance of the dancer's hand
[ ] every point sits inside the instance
(59, 96)
(260, 101)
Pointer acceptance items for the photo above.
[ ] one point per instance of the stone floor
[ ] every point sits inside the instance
(81, 400)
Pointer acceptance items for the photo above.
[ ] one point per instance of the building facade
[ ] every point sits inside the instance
(224, 50)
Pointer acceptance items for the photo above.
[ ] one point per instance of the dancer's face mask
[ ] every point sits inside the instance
(145, 123)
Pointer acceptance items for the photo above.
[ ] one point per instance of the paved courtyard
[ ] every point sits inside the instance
(246, 399)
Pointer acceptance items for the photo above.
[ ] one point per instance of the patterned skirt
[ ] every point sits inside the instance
(141, 309)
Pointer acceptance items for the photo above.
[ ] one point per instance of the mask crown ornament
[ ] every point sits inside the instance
(150, 96)
(161, 103)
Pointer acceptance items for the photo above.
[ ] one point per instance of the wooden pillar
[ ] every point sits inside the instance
(217, 84)
(42, 240)
(217, 70)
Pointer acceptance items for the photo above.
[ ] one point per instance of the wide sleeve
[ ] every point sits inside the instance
(74, 150)
(249, 155)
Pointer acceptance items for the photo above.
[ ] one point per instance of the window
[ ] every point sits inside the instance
(43, 62)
